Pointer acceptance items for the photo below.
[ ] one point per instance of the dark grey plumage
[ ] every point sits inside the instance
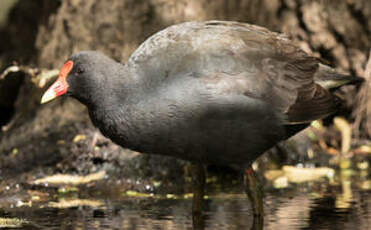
(212, 92)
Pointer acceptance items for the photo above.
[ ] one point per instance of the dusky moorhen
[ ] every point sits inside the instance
(213, 92)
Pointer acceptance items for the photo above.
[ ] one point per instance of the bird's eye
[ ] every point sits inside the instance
(80, 70)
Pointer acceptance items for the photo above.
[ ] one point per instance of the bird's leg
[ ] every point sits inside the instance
(94, 140)
(198, 184)
(255, 194)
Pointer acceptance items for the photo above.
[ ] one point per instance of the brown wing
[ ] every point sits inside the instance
(234, 58)
(312, 103)
(294, 90)
(286, 76)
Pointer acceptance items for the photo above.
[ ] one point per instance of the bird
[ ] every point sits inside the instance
(210, 92)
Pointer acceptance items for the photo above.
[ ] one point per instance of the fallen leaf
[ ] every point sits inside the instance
(132, 193)
(363, 165)
(71, 179)
(74, 203)
(11, 222)
(273, 174)
(78, 138)
(364, 149)
(365, 185)
(299, 175)
(281, 182)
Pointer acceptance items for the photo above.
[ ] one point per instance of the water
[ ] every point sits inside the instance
(311, 205)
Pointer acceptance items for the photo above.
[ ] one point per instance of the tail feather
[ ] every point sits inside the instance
(329, 78)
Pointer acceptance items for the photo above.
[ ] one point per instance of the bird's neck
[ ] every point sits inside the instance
(124, 87)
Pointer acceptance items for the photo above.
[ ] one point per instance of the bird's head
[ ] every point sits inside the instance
(84, 76)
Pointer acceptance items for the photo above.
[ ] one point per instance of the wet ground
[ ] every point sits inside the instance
(341, 201)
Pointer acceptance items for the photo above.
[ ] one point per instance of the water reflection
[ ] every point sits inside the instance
(306, 206)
